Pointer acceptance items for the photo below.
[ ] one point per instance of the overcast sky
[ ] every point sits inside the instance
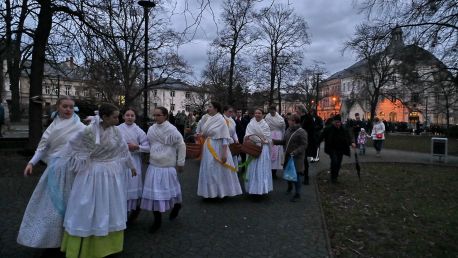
(331, 22)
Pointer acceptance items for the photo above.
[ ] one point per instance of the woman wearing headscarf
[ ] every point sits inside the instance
(277, 130)
(41, 226)
(259, 171)
(217, 173)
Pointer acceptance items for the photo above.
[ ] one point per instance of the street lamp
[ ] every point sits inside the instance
(146, 6)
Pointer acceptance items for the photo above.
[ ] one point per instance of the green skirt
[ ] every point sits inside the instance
(92, 246)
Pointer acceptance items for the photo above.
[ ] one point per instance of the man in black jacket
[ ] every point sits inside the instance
(337, 141)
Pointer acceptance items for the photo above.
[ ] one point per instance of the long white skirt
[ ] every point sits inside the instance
(98, 200)
(276, 153)
(42, 225)
(259, 174)
(162, 189)
(215, 180)
(134, 184)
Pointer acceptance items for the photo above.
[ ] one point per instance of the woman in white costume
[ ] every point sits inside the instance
(162, 190)
(259, 175)
(96, 212)
(137, 143)
(41, 226)
(228, 111)
(217, 174)
(277, 129)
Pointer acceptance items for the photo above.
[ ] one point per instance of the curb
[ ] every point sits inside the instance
(323, 218)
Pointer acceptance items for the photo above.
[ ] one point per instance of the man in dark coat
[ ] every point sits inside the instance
(314, 146)
(356, 125)
(337, 141)
(241, 122)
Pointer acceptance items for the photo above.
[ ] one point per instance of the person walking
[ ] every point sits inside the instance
(362, 140)
(228, 112)
(180, 121)
(307, 125)
(277, 130)
(2, 119)
(259, 170)
(217, 173)
(137, 144)
(378, 135)
(162, 190)
(295, 140)
(41, 226)
(240, 127)
(96, 213)
(356, 126)
(336, 144)
(314, 146)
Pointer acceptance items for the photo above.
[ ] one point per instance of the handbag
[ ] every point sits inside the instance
(289, 173)
(379, 135)
(251, 148)
(235, 148)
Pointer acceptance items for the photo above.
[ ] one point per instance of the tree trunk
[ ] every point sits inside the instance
(36, 75)
(278, 90)
(230, 98)
(272, 81)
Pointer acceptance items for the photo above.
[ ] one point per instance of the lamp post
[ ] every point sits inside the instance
(146, 6)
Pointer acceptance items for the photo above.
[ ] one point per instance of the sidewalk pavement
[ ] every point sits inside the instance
(231, 227)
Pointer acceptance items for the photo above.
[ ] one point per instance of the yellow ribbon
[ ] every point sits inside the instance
(212, 151)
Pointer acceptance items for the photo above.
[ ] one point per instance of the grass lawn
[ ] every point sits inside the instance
(418, 143)
(397, 210)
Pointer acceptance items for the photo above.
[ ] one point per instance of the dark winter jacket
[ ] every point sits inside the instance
(336, 140)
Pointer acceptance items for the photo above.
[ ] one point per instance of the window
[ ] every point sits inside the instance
(155, 93)
(172, 107)
(172, 93)
(415, 97)
(155, 105)
(188, 94)
(187, 108)
(68, 89)
(85, 92)
(98, 95)
(47, 89)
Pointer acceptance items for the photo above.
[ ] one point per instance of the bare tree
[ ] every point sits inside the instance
(307, 86)
(375, 69)
(16, 49)
(236, 34)
(282, 32)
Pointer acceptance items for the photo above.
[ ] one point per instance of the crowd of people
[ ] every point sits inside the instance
(93, 185)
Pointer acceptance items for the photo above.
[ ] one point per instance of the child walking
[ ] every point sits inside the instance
(362, 140)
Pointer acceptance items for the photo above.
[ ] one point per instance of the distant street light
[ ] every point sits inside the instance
(146, 6)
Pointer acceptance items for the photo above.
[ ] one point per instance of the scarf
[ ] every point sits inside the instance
(57, 135)
(260, 129)
(164, 133)
(276, 123)
(213, 127)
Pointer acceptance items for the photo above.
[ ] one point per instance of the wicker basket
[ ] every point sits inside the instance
(250, 148)
(193, 150)
(235, 148)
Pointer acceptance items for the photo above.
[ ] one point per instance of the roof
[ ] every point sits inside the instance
(172, 84)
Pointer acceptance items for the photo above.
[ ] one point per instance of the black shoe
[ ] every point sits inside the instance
(133, 216)
(274, 174)
(157, 222)
(295, 198)
(175, 211)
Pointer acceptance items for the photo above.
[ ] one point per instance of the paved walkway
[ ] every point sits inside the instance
(232, 227)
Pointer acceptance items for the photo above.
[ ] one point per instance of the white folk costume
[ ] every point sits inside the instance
(277, 130)
(41, 226)
(134, 134)
(162, 189)
(259, 171)
(215, 178)
(233, 136)
(97, 207)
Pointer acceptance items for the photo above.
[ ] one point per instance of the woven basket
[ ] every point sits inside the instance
(250, 148)
(235, 148)
(193, 150)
